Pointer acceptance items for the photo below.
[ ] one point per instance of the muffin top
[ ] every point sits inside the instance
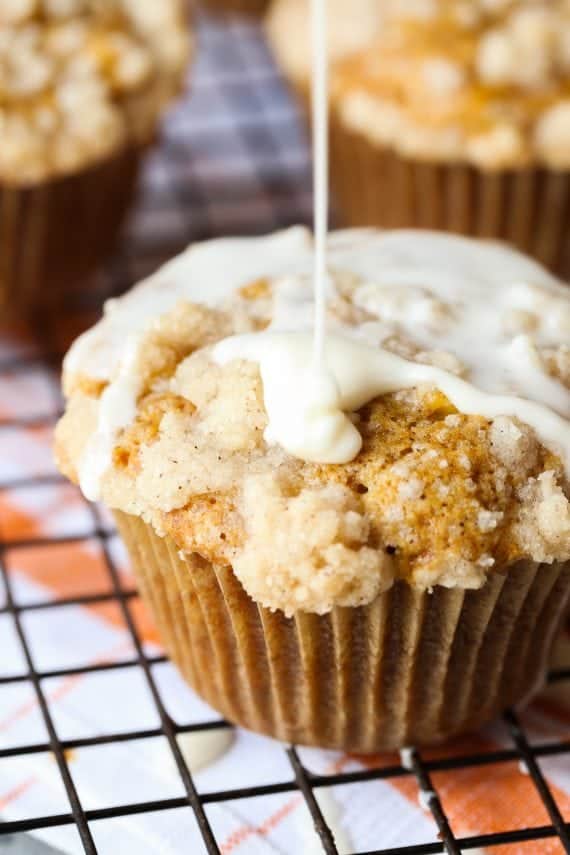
(165, 422)
(485, 82)
(79, 79)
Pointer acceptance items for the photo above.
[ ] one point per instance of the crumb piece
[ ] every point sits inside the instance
(514, 444)
(453, 420)
(543, 522)
(308, 551)
(411, 489)
(489, 520)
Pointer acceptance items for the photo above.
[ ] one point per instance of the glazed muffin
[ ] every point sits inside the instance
(83, 86)
(456, 116)
(404, 595)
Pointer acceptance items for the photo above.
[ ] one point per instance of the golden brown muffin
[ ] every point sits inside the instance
(407, 594)
(83, 85)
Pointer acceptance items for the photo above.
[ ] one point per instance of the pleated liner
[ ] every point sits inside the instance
(411, 667)
(374, 186)
(54, 234)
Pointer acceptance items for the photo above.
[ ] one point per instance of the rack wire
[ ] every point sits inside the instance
(236, 151)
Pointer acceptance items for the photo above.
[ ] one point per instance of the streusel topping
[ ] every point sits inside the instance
(79, 79)
(483, 82)
(434, 496)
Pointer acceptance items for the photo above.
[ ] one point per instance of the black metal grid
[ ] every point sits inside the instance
(254, 114)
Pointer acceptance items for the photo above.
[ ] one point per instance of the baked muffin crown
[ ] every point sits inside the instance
(434, 496)
(484, 82)
(81, 79)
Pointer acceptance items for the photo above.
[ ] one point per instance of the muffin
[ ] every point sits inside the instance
(83, 85)
(456, 116)
(404, 594)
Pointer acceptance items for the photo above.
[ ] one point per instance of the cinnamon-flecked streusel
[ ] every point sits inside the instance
(79, 79)
(434, 496)
(487, 82)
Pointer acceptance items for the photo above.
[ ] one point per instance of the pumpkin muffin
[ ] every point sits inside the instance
(83, 86)
(454, 115)
(406, 595)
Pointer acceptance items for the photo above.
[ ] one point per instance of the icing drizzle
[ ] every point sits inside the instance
(492, 308)
(308, 414)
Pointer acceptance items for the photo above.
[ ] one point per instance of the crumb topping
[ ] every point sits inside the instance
(435, 497)
(79, 79)
(483, 82)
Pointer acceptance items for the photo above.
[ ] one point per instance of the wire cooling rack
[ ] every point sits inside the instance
(233, 159)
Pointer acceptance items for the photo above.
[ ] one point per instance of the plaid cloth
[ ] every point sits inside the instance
(233, 160)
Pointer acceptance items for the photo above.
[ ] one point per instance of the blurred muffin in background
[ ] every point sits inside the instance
(83, 86)
(455, 115)
(351, 25)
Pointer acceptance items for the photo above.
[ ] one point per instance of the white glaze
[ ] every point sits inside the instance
(307, 413)
(442, 292)
(407, 758)
(203, 748)
(320, 102)
(331, 811)
(426, 798)
(205, 273)
(200, 749)
(117, 409)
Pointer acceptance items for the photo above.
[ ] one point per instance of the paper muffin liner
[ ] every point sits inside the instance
(54, 235)
(411, 667)
(256, 8)
(374, 186)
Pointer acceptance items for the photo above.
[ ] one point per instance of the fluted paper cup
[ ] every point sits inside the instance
(411, 667)
(375, 186)
(55, 234)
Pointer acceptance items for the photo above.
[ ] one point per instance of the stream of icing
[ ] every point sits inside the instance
(320, 177)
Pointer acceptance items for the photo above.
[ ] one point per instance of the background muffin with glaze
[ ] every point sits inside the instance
(83, 86)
